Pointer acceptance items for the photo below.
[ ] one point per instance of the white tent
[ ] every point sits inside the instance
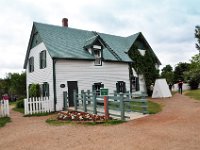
(161, 89)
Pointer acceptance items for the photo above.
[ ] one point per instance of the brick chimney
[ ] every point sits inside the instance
(65, 22)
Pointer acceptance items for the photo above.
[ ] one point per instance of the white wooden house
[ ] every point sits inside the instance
(60, 58)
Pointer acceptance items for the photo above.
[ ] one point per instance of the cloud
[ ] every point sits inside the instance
(168, 25)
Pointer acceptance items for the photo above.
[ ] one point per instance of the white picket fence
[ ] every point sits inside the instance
(4, 108)
(38, 105)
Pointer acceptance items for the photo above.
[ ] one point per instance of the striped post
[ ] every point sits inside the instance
(106, 107)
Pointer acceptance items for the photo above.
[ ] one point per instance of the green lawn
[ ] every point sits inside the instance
(153, 107)
(193, 94)
(4, 120)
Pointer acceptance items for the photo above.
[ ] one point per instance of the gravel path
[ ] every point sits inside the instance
(177, 127)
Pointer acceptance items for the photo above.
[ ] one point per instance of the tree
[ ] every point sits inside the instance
(18, 83)
(179, 71)
(167, 73)
(193, 74)
(197, 36)
(13, 84)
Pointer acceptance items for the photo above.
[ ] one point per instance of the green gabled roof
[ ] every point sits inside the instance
(120, 45)
(90, 41)
(63, 42)
(69, 43)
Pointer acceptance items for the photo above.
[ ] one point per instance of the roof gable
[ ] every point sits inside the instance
(141, 43)
(70, 43)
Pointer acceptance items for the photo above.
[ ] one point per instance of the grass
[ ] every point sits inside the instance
(21, 110)
(154, 108)
(195, 94)
(4, 120)
(56, 122)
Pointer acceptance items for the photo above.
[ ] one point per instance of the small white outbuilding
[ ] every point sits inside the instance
(161, 89)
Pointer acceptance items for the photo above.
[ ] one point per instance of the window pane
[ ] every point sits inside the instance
(43, 59)
(31, 64)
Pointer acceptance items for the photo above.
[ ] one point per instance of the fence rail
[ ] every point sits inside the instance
(38, 105)
(121, 102)
(4, 108)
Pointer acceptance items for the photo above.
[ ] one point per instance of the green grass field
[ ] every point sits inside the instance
(4, 120)
(193, 94)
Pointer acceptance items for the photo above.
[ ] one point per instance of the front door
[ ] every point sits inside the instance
(72, 85)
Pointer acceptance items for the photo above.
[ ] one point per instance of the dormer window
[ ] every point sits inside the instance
(97, 55)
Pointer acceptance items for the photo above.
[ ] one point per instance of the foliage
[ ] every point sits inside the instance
(145, 65)
(194, 83)
(4, 120)
(193, 74)
(19, 107)
(14, 84)
(197, 36)
(179, 71)
(18, 84)
(34, 90)
(20, 103)
(167, 73)
(193, 94)
(167, 68)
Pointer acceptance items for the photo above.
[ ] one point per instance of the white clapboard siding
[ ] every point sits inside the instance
(39, 76)
(4, 108)
(38, 105)
(86, 73)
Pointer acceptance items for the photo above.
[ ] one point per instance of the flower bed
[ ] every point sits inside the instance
(81, 116)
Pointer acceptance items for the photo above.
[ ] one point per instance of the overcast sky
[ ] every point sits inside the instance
(168, 25)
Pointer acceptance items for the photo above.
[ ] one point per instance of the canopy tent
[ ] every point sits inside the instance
(161, 89)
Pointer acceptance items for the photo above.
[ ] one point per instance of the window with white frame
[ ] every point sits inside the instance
(97, 55)
(43, 63)
(31, 64)
(44, 89)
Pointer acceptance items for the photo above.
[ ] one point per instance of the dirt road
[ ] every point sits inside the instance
(177, 127)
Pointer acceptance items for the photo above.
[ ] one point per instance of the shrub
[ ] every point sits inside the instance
(193, 84)
(20, 103)
(34, 90)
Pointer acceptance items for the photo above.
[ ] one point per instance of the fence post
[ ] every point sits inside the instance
(106, 107)
(122, 105)
(65, 100)
(144, 104)
(94, 103)
(82, 91)
(84, 102)
(75, 99)
(25, 107)
(88, 93)
(115, 95)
